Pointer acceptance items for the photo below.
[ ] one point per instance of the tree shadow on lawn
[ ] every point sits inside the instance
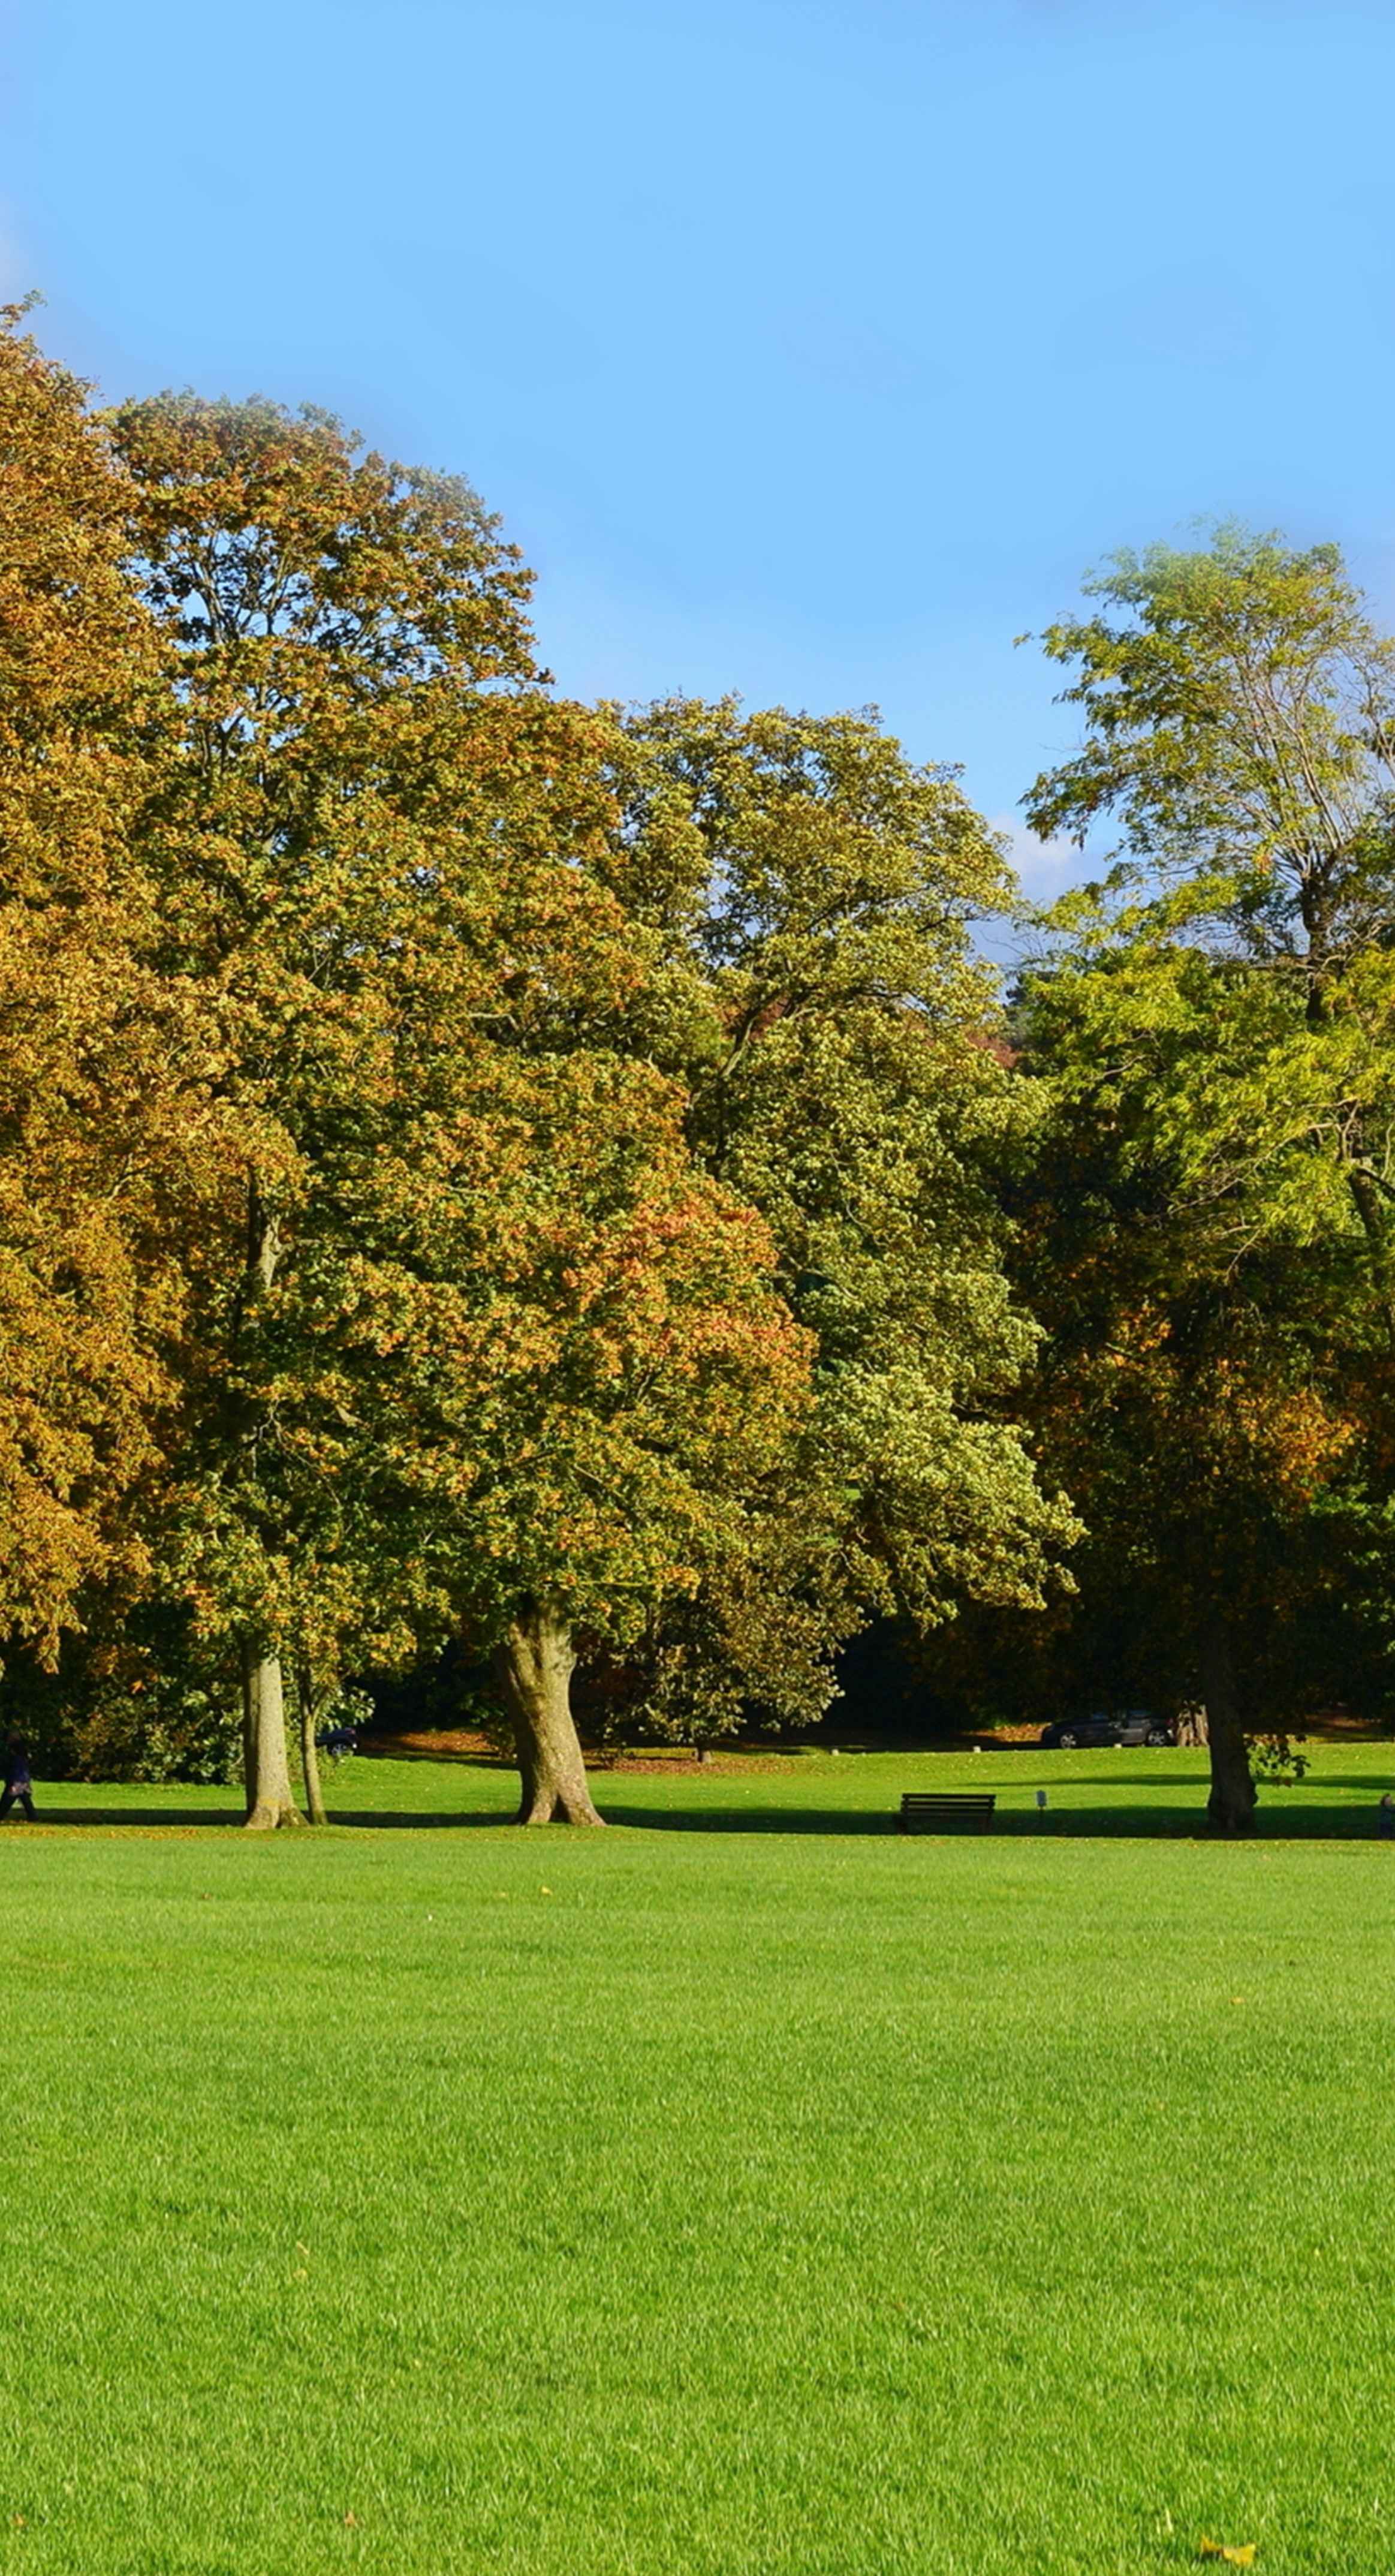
(1315, 1823)
(148, 1819)
(412, 1819)
(1159, 1823)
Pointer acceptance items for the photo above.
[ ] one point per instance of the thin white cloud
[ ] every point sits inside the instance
(1044, 869)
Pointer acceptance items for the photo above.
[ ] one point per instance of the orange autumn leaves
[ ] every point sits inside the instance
(88, 1124)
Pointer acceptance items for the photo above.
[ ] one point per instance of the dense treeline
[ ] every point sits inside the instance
(481, 1168)
(558, 1185)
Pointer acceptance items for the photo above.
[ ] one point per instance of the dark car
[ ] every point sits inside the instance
(1130, 1726)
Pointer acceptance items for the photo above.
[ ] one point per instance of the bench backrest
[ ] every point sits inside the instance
(948, 1807)
(948, 1798)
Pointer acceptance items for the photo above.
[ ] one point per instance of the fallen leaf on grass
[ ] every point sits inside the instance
(351, 2521)
(1235, 2554)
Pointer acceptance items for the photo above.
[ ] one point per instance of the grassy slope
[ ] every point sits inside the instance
(818, 2202)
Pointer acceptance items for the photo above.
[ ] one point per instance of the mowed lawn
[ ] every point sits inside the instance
(712, 2201)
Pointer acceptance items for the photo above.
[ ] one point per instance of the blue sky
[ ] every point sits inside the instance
(810, 348)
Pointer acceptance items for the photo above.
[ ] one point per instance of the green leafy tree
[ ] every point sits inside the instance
(1239, 708)
(807, 895)
(1216, 1021)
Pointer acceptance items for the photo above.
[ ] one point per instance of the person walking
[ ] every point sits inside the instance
(19, 1788)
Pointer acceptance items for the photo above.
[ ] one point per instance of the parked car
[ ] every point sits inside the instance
(1129, 1726)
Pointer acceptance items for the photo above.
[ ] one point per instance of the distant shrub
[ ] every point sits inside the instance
(147, 1702)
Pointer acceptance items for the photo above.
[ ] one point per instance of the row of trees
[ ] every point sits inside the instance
(477, 1168)
(472, 1166)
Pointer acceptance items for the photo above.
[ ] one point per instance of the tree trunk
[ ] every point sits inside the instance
(267, 1774)
(1192, 1725)
(533, 1664)
(306, 1710)
(1231, 1805)
(249, 1759)
(270, 1801)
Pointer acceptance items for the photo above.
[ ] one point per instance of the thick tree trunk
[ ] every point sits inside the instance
(306, 1709)
(1231, 1805)
(1192, 1724)
(533, 1664)
(270, 1800)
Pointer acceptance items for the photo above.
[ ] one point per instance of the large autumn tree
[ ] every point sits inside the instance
(341, 639)
(472, 1340)
(1216, 1020)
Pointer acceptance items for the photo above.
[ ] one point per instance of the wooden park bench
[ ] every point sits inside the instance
(950, 1811)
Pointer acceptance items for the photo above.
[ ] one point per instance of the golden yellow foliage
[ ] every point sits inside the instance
(87, 1130)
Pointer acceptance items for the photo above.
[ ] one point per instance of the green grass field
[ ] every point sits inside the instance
(782, 2196)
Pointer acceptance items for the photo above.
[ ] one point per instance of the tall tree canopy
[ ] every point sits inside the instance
(808, 896)
(1239, 711)
(1216, 1020)
(1240, 714)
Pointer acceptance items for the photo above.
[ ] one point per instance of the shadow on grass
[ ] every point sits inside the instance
(1171, 1824)
(411, 1819)
(185, 1819)
(1325, 1816)
(1326, 1823)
